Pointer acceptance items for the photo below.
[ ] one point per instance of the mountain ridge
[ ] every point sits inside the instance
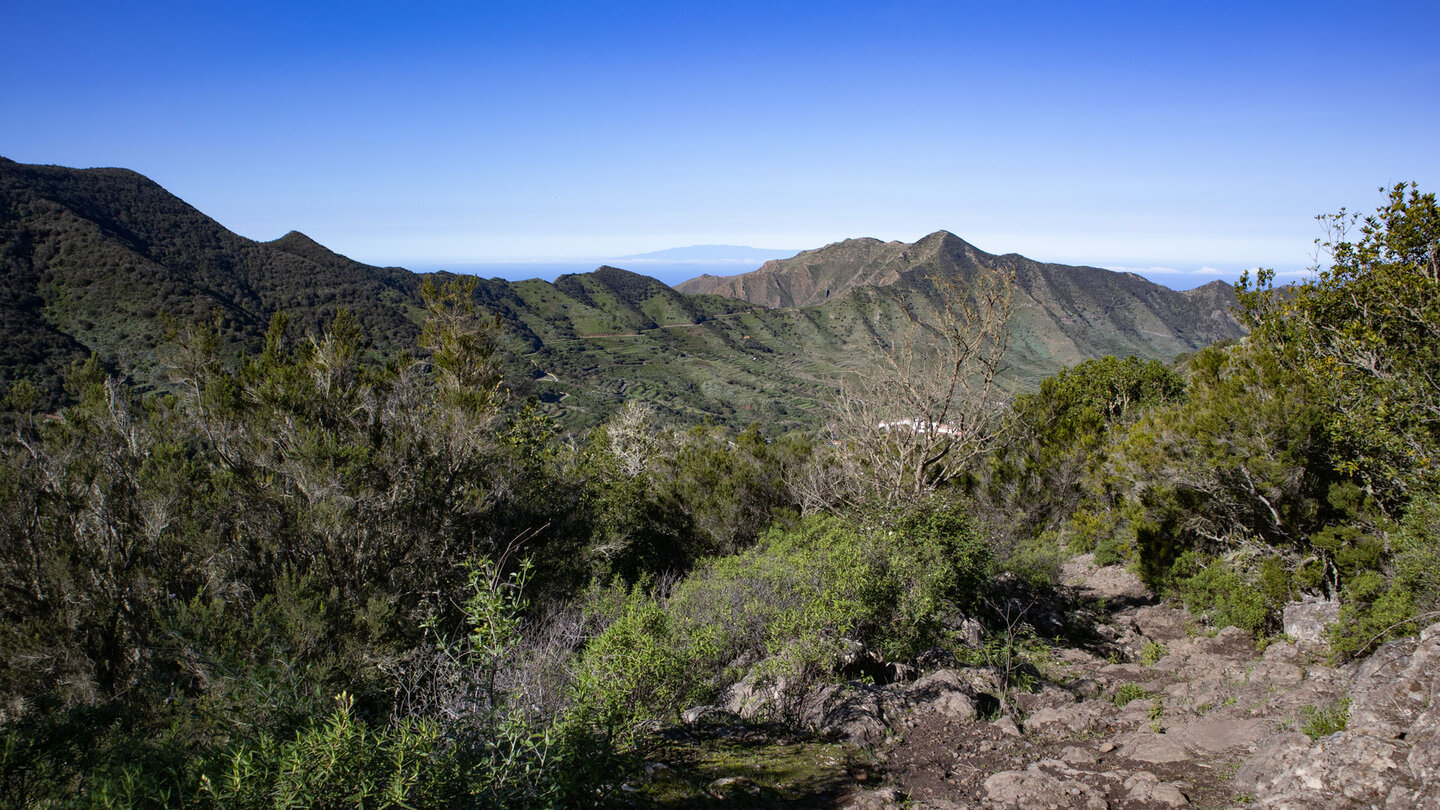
(104, 260)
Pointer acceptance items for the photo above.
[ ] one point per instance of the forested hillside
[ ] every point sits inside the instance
(320, 568)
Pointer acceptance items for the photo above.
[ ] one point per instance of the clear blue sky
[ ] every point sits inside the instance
(1175, 135)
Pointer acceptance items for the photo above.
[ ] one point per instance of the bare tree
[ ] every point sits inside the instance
(924, 405)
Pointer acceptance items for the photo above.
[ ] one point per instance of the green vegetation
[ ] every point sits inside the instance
(341, 558)
(1321, 721)
(1152, 652)
(1127, 693)
(103, 261)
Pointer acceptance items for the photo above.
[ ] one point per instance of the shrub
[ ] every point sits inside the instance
(1372, 610)
(1110, 551)
(897, 582)
(1417, 551)
(1322, 721)
(1152, 652)
(338, 763)
(647, 664)
(1128, 692)
(1219, 591)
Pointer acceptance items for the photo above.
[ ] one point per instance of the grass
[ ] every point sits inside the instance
(1322, 721)
(1128, 692)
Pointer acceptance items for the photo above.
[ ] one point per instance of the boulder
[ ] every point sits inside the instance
(844, 712)
(1306, 621)
(944, 692)
(1143, 786)
(1033, 789)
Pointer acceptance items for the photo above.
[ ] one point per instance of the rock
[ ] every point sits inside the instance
(1160, 623)
(1386, 700)
(1362, 768)
(1388, 756)
(944, 692)
(936, 658)
(858, 662)
(1073, 755)
(657, 770)
(900, 673)
(971, 633)
(1277, 673)
(1085, 689)
(708, 715)
(1007, 726)
(1259, 774)
(1034, 789)
(1143, 786)
(1049, 717)
(1147, 746)
(882, 799)
(1212, 735)
(731, 787)
(748, 698)
(1307, 620)
(855, 715)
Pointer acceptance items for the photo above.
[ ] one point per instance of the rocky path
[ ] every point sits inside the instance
(1143, 708)
(1160, 713)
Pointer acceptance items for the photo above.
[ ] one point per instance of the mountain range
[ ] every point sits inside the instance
(102, 260)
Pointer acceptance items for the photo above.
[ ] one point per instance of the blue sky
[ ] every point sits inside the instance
(1138, 135)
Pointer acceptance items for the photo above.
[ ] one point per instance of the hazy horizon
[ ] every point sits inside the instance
(1107, 134)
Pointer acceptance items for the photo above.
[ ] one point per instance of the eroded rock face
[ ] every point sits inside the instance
(1387, 756)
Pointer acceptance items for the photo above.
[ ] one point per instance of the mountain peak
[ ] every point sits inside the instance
(296, 239)
(298, 244)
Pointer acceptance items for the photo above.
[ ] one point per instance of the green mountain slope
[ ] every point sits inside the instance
(100, 260)
(1062, 314)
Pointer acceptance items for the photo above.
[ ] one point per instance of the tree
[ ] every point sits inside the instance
(1368, 325)
(924, 405)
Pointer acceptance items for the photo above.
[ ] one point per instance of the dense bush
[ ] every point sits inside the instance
(897, 582)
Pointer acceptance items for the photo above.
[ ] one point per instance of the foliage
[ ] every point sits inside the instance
(1152, 652)
(896, 582)
(1221, 591)
(1126, 693)
(649, 663)
(336, 764)
(1369, 325)
(1047, 478)
(1322, 721)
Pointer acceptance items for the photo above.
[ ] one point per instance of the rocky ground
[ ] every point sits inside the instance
(1147, 709)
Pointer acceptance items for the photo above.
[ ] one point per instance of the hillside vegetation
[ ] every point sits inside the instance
(319, 569)
(106, 261)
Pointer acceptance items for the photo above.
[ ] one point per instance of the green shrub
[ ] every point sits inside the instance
(1110, 551)
(1152, 652)
(1417, 551)
(1128, 692)
(339, 763)
(896, 582)
(1089, 529)
(647, 664)
(1220, 592)
(1322, 721)
(1373, 610)
(1036, 562)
